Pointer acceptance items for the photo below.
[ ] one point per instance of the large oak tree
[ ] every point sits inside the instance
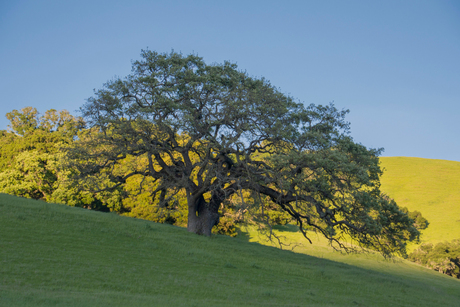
(212, 131)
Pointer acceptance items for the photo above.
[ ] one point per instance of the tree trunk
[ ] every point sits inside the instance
(202, 215)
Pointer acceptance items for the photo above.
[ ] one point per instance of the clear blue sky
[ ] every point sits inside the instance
(394, 64)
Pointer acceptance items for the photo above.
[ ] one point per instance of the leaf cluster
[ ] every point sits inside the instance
(443, 257)
(32, 159)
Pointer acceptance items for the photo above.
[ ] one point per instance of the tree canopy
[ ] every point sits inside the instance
(32, 160)
(30, 151)
(213, 133)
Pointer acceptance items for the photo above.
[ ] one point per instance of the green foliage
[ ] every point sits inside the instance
(32, 159)
(420, 222)
(210, 132)
(30, 152)
(443, 257)
(141, 202)
(33, 175)
(277, 216)
(23, 122)
(31, 131)
(226, 226)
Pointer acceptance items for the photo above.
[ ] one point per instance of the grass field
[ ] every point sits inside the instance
(429, 186)
(54, 255)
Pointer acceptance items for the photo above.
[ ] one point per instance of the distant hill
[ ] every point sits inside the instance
(429, 186)
(55, 255)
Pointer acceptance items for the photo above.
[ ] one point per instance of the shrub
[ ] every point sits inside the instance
(420, 222)
(444, 257)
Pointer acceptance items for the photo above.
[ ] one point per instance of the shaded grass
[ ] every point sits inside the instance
(54, 255)
(429, 186)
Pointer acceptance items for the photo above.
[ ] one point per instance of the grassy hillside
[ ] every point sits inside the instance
(429, 186)
(54, 255)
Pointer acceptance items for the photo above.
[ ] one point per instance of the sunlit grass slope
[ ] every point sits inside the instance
(429, 186)
(54, 255)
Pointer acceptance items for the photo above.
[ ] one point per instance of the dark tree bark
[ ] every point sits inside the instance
(202, 216)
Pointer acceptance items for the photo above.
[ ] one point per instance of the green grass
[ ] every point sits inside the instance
(429, 186)
(54, 255)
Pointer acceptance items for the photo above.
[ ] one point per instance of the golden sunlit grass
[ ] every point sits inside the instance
(429, 186)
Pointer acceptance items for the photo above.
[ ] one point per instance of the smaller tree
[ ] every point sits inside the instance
(28, 130)
(31, 155)
(444, 257)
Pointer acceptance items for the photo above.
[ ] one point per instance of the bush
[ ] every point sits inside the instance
(444, 257)
(226, 226)
(419, 221)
